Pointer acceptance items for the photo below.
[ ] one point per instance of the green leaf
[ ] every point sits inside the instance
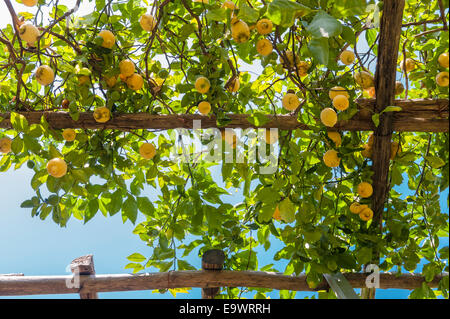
(217, 15)
(284, 12)
(17, 145)
(392, 109)
(136, 257)
(434, 161)
(258, 119)
(91, 211)
(247, 14)
(184, 265)
(287, 210)
(319, 49)
(376, 119)
(130, 209)
(348, 8)
(145, 206)
(19, 122)
(324, 26)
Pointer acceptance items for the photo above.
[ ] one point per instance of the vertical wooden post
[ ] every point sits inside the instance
(385, 76)
(212, 260)
(84, 266)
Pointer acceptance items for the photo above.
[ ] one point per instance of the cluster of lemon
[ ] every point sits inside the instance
(364, 190)
(442, 78)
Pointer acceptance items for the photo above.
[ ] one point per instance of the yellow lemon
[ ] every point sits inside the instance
(83, 79)
(264, 26)
(30, 3)
(147, 150)
(371, 91)
(290, 59)
(29, 33)
(340, 102)
(45, 75)
(204, 107)
(347, 57)
(240, 31)
(365, 190)
(399, 88)
(102, 114)
(111, 81)
(126, 67)
(264, 47)
(408, 66)
(364, 79)
(302, 68)
(147, 22)
(69, 134)
(335, 137)
(229, 5)
(290, 101)
(135, 82)
(443, 60)
(442, 79)
(108, 38)
(57, 167)
(338, 90)
(355, 208)
(5, 145)
(331, 158)
(366, 214)
(328, 117)
(202, 85)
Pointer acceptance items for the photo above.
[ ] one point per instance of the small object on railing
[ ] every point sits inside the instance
(84, 266)
(212, 260)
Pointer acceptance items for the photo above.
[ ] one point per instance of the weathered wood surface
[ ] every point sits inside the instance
(416, 116)
(41, 285)
(84, 266)
(212, 260)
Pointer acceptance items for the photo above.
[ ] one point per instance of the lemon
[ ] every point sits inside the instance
(367, 152)
(108, 38)
(202, 85)
(364, 79)
(347, 57)
(340, 102)
(302, 69)
(331, 158)
(240, 31)
(290, 59)
(355, 208)
(102, 114)
(408, 65)
(69, 134)
(365, 190)
(328, 117)
(5, 145)
(264, 26)
(57, 167)
(135, 82)
(229, 5)
(45, 75)
(29, 33)
(204, 107)
(111, 81)
(395, 149)
(335, 137)
(234, 85)
(126, 67)
(366, 214)
(264, 47)
(147, 150)
(30, 3)
(399, 88)
(442, 79)
(290, 101)
(83, 79)
(443, 60)
(371, 91)
(147, 22)
(338, 90)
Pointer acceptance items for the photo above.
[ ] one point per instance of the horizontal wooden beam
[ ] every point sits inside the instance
(417, 116)
(42, 285)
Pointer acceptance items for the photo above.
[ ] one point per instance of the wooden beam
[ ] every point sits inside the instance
(212, 260)
(84, 266)
(417, 116)
(385, 78)
(42, 285)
